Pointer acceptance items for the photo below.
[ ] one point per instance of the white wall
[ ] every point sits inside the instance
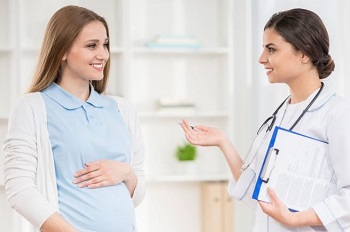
(243, 98)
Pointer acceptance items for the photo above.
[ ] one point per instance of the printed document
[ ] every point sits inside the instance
(298, 168)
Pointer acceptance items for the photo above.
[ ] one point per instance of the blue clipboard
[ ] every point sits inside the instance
(273, 153)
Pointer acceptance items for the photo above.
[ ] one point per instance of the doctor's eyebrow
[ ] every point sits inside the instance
(268, 45)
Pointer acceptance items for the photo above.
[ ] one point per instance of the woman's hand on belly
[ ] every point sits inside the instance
(103, 173)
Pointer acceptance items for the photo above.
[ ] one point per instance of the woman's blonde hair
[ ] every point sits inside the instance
(62, 30)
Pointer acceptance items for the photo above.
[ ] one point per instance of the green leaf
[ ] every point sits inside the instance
(186, 152)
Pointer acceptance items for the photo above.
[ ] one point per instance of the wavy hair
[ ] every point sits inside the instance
(61, 31)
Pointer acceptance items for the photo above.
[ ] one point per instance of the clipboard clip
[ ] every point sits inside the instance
(269, 164)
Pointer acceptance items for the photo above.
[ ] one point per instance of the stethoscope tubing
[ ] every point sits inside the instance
(269, 128)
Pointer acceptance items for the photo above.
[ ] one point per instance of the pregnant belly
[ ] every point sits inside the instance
(102, 209)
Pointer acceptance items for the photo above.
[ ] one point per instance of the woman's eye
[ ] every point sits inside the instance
(91, 46)
(271, 50)
(105, 44)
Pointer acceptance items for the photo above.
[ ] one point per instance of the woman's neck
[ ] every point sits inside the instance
(299, 95)
(303, 87)
(79, 89)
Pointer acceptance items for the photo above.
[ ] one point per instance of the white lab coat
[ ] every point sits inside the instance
(328, 119)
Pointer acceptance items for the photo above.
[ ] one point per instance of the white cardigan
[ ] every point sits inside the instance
(30, 181)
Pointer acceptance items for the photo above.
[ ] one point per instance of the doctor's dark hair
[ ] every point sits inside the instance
(306, 32)
(61, 32)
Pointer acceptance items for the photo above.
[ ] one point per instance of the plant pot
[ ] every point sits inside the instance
(188, 167)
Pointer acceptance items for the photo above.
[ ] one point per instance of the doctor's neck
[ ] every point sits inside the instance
(301, 91)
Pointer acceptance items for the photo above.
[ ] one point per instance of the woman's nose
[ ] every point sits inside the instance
(103, 54)
(262, 58)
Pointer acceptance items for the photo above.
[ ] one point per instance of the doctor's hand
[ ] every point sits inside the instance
(103, 173)
(278, 210)
(203, 135)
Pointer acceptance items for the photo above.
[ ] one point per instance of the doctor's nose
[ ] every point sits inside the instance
(263, 59)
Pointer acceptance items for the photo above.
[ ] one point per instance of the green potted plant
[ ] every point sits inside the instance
(186, 152)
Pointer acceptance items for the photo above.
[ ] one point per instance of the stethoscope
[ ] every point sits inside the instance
(269, 127)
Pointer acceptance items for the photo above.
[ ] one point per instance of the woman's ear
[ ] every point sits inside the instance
(304, 58)
(64, 57)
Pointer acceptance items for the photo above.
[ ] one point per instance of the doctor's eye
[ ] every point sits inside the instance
(271, 50)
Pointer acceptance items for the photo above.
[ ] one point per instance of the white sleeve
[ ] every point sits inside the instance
(138, 149)
(246, 196)
(20, 167)
(334, 211)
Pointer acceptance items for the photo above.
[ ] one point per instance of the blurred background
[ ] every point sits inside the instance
(175, 59)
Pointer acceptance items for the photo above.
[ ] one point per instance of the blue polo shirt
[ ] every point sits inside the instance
(82, 132)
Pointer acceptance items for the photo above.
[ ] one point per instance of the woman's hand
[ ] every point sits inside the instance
(203, 135)
(277, 209)
(280, 212)
(209, 136)
(102, 173)
(56, 223)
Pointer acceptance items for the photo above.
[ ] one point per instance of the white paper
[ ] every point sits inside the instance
(302, 172)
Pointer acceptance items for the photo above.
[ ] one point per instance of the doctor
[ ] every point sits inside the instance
(296, 53)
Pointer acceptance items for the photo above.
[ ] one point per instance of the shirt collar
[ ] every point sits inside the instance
(326, 94)
(70, 102)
